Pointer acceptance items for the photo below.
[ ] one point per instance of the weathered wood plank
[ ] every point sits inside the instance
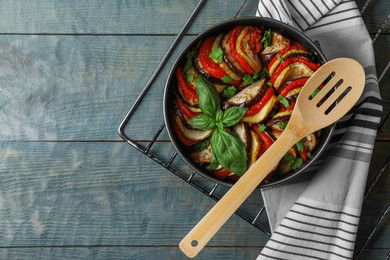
(112, 17)
(131, 200)
(149, 253)
(122, 17)
(69, 193)
(80, 88)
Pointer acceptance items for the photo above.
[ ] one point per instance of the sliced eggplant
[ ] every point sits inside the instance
(223, 64)
(292, 95)
(284, 166)
(248, 96)
(247, 48)
(293, 71)
(192, 134)
(202, 152)
(278, 43)
(278, 119)
(310, 142)
(243, 133)
(292, 52)
(263, 113)
(228, 58)
(255, 148)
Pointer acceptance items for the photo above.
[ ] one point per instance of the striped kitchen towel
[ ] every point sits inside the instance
(317, 218)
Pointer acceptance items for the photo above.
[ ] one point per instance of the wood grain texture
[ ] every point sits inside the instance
(70, 187)
(50, 83)
(146, 253)
(106, 195)
(122, 17)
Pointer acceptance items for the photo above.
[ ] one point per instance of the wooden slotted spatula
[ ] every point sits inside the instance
(310, 114)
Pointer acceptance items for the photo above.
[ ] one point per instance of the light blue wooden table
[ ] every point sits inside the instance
(70, 187)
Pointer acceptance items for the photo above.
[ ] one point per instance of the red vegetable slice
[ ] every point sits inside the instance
(265, 138)
(208, 64)
(187, 113)
(232, 43)
(293, 85)
(283, 65)
(282, 55)
(221, 173)
(185, 89)
(259, 105)
(184, 140)
(248, 46)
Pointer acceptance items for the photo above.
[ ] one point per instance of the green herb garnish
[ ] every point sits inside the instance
(288, 158)
(190, 56)
(247, 79)
(190, 77)
(279, 57)
(266, 39)
(315, 92)
(282, 125)
(217, 55)
(262, 128)
(269, 83)
(296, 164)
(227, 150)
(284, 101)
(300, 146)
(226, 79)
(229, 92)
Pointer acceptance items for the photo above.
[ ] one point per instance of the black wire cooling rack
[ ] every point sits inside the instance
(253, 210)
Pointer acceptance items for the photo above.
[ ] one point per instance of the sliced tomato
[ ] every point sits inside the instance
(259, 105)
(293, 85)
(304, 154)
(232, 43)
(283, 54)
(187, 113)
(208, 64)
(298, 45)
(248, 46)
(291, 107)
(221, 173)
(186, 89)
(184, 140)
(284, 64)
(265, 138)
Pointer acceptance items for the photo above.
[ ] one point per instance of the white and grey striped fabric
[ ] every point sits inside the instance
(317, 218)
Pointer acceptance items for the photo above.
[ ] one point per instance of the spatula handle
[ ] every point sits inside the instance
(199, 236)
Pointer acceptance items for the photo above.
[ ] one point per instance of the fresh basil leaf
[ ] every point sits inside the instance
(190, 56)
(300, 146)
(266, 39)
(207, 96)
(202, 145)
(226, 79)
(282, 125)
(202, 122)
(218, 119)
(216, 54)
(296, 164)
(284, 101)
(247, 79)
(233, 115)
(214, 162)
(288, 158)
(261, 128)
(229, 151)
(190, 77)
(229, 92)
